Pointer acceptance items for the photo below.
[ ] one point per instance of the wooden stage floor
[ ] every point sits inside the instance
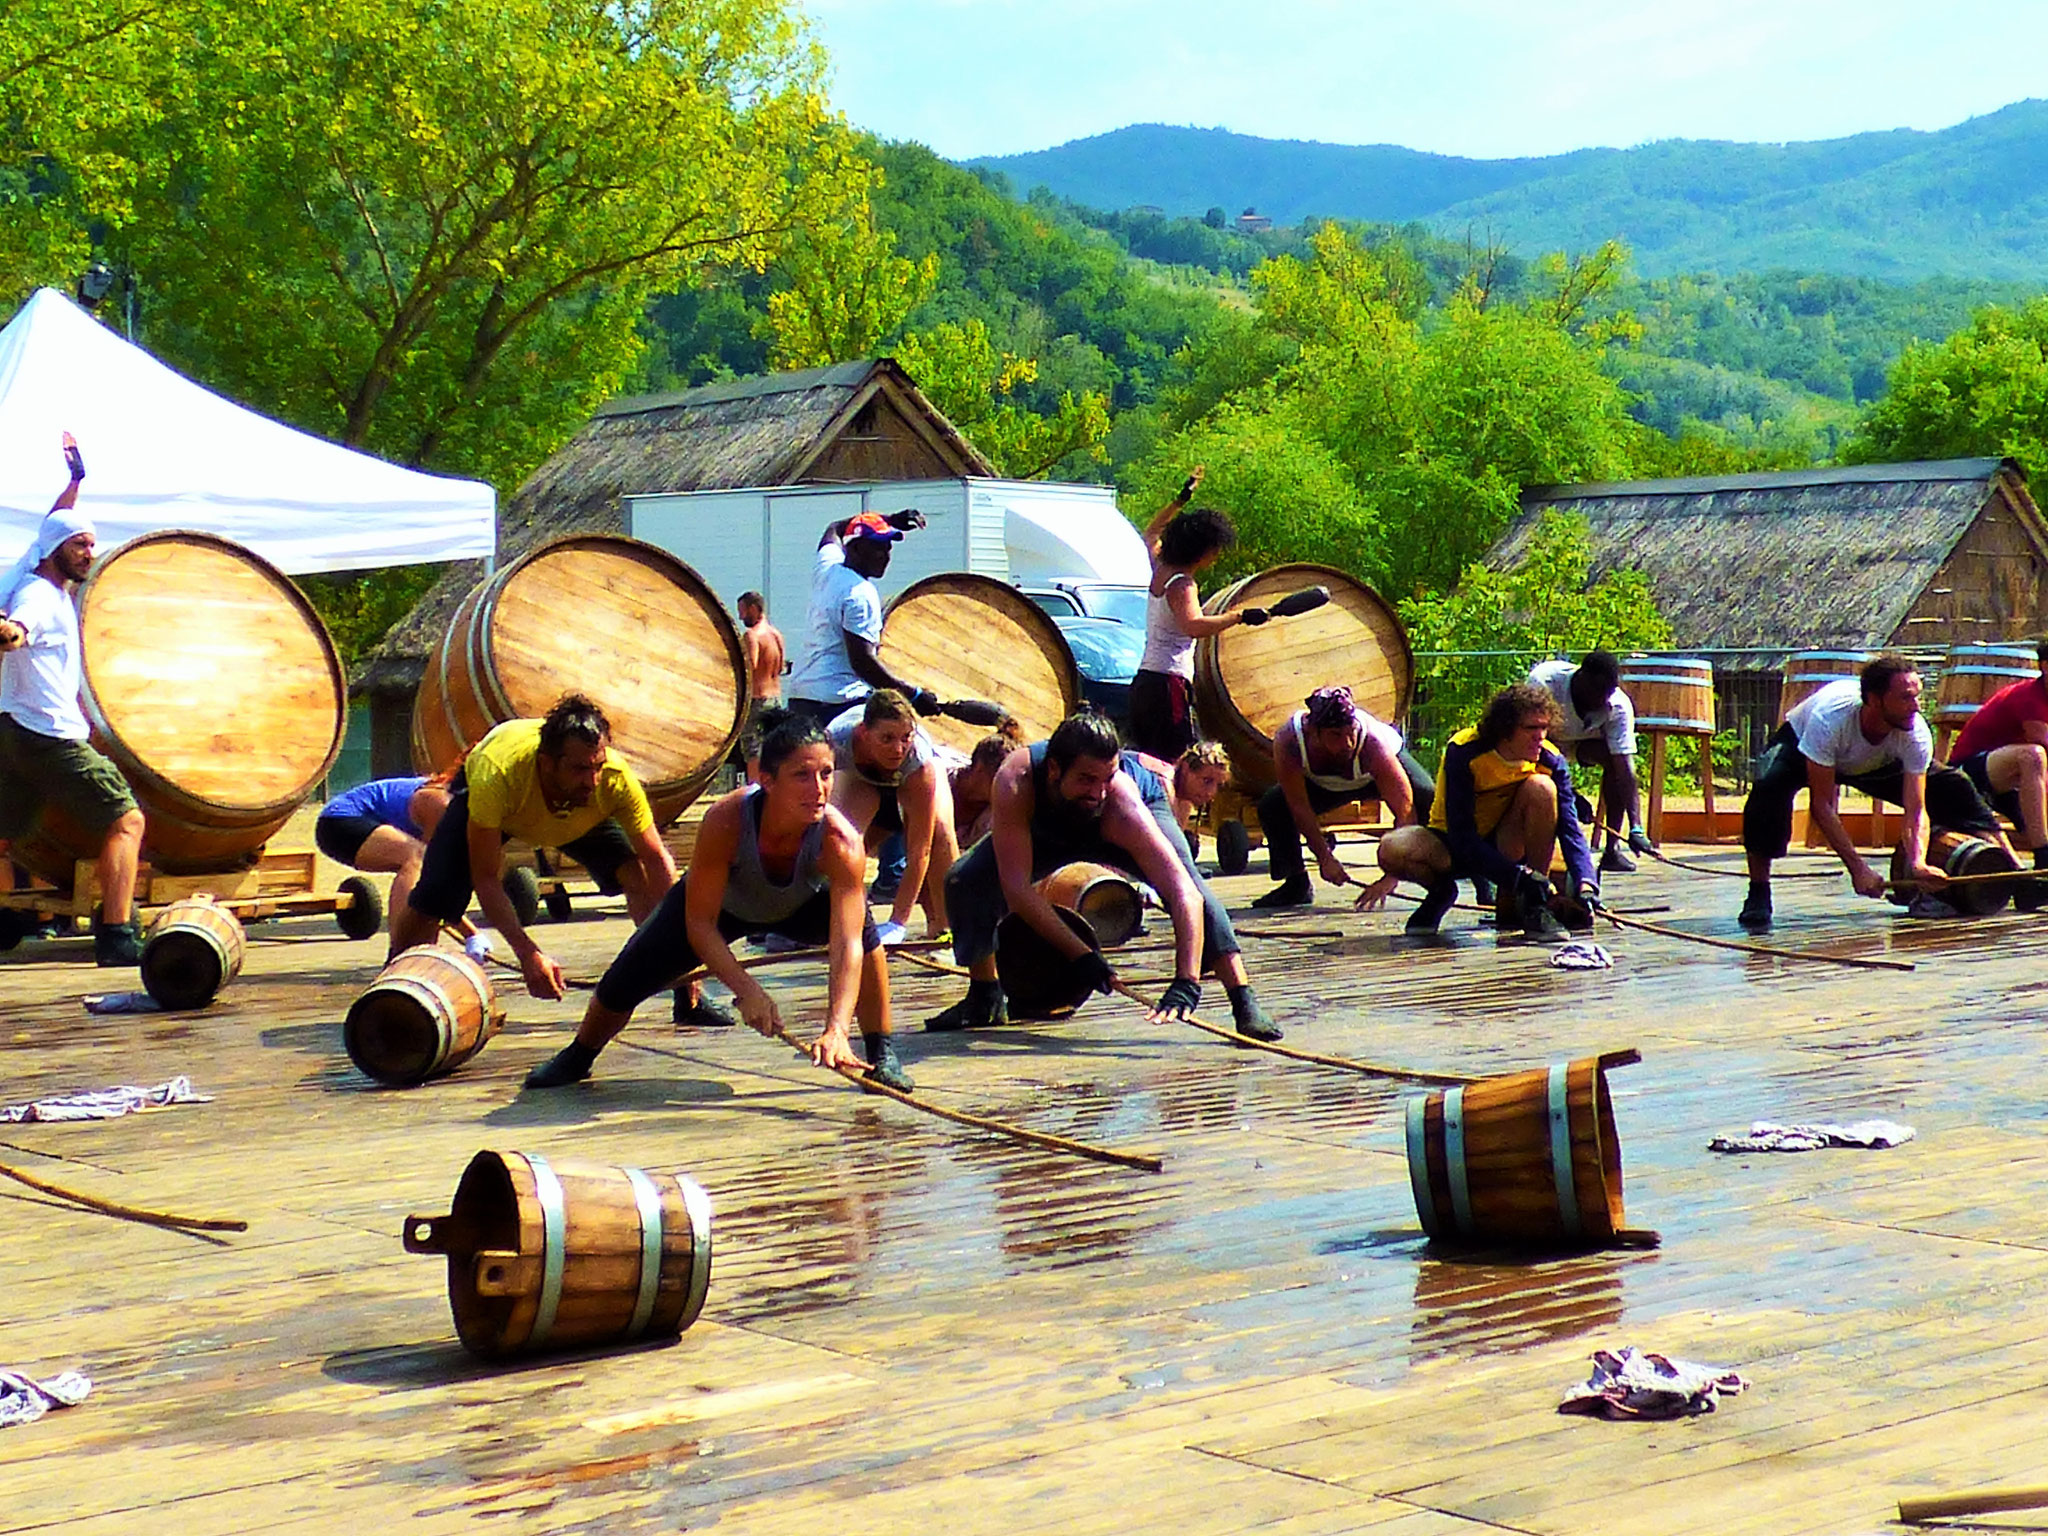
(913, 1328)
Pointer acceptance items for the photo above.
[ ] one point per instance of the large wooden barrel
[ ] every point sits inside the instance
(626, 623)
(554, 1255)
(972, 637)
(1672, 695)
(1960, 853)
(212, 685)
(1107, 898)
(1807, 672)
(1249, 680)
(1530, 1158)
(1973, 673)
(428, 1012)
(194, 949)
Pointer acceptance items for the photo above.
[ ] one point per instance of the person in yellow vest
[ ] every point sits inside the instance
(556, 783)
(1504, 805)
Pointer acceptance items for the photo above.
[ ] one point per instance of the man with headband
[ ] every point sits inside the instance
(1326, 754)
(46, 762)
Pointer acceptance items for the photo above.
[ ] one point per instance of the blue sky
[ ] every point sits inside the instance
(1467, 77)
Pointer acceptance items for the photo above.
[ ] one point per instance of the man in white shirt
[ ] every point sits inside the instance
(46, 762)
(840, 663)
(1595, 726)
(1869, 735)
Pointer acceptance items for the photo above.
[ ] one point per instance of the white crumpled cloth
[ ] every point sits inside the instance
(23, 1400)
(104, 1103)
(1635, 1384)
(1766, 1136)
(1581, 955)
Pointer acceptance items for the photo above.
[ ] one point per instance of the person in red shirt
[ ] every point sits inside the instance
(2003, 747)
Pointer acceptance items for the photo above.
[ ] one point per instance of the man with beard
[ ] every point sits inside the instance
(774, 857)
(555, 783)
(46, 759)
(1080, 797)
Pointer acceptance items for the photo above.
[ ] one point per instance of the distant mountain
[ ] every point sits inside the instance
(1967, 201)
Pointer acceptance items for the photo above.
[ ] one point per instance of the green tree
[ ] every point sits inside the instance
(844, 291)
(963, 373)
(1983, 392)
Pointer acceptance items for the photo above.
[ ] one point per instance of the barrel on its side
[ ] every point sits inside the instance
(194, 949)
(972, 637)
(624, 622)
(1107, 898)
(1672, 695)
(1973, 673)
(428, 1012)
(1249, 680)
(1959, 853)
(1530, 1159)
(556, 1255)
(212, 685)
(1036, 982)
(1807, 672)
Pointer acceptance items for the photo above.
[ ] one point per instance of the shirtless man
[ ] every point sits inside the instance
(761, 645)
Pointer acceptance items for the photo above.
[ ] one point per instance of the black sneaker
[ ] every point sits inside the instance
(569, 1065)
(1756, 912)
(1541, 924)
(885, 1068)
(705, 1014)
(972, 1012)
(1289, 893)
(1436, 901)
(117, 943)
(1616, 861)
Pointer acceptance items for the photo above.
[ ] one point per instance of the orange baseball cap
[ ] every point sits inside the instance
(872, 525)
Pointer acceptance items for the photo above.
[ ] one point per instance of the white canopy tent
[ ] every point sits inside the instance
(162, 452)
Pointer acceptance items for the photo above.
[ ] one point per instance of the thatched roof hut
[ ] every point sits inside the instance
(850, 422)
(1753, 567)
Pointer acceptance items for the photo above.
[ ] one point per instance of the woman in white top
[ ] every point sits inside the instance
(1183, 543)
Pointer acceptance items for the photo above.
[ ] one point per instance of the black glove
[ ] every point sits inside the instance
(906, 520)
(1586, 891)
(1182, 995)
(1092, 971)
(1253, 616)
(1187, 490)
(925, 702)
(1531, 891)
(73, 459)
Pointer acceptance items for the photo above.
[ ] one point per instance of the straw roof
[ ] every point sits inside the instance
(768, 430)
(1771, 563)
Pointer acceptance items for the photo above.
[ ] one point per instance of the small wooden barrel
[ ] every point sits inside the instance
(1249, 680)
(1672, 695)
(972, 637)
(1107, 898)
(1033, 973)
(194, 949)
(427, 1013)
(557, 1255)
(1807, 672)
(1973, 673)
(212, 685)
(1530, 1158)
(1959, 853)
(626, 623)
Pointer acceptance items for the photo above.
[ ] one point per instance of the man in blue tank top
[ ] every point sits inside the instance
(774, 857)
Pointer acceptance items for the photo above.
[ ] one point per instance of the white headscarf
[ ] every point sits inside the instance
(59, 524)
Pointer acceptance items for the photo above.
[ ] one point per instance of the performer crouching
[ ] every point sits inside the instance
(773, 857)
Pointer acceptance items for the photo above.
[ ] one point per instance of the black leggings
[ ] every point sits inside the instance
(1952, 800)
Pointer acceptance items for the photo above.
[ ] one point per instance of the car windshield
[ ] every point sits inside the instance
(1124, 604)
(1060, 605)
(1104, 650)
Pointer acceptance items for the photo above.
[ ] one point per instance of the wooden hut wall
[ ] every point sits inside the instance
(1994, 584)
(880, 443)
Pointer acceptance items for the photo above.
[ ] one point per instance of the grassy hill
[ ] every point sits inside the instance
(1971, 200)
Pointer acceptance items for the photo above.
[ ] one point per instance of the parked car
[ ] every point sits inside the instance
(1108, 654)
(1092, 599)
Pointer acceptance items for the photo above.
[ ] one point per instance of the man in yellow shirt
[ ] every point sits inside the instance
(554, 783)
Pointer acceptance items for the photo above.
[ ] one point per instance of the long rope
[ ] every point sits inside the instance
(1743, 874)
(127, 1212)
(1759, 949)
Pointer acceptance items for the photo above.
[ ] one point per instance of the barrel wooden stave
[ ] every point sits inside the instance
(1249, 680)
(1962, 853)
(1672, 695)
(1509, 1159)
(195, 947)
(1106, 898)
(972, 637)
(1974, 672)
(496, 1239)
(1807, 672)
(428, 1012)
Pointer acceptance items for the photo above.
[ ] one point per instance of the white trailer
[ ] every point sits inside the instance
(765, 539)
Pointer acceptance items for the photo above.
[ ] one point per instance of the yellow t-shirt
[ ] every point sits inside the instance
(504, 791)
(1494, 782)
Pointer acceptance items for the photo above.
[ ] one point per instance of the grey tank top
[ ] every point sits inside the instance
(750, 895)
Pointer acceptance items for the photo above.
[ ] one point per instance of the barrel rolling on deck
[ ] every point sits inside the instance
(194, 949)
(428, 1012)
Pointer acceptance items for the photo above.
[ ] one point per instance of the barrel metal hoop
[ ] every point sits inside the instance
(648, 1198)
(1561, 1151)
(440, 1007)
(483, 654)
(1974, 669)
(1418, 1163)
(698, 1204)
(1670, 723)
(1454, 1160)
(547, 1189)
